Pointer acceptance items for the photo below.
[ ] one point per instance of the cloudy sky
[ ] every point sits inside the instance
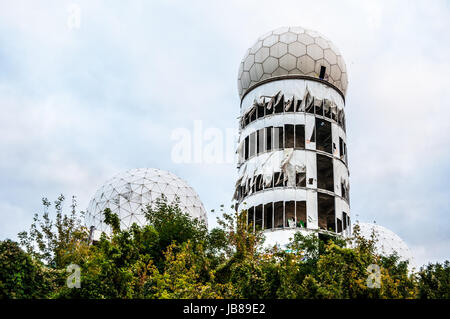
(80, 103)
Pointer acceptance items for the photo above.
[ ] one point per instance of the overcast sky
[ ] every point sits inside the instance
(80, 104)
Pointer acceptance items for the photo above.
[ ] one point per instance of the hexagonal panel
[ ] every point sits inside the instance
(305, 38)
(245, 79)
(288, 62)
(321, 42)
(261, 54)
(297, 49)
(249, 62)
(270, 40)
(279, 71)
(288, 37)
(340, 62)
(256, 47)
(256, 71)
(270, 64)
(314, 51)
(305, 64)
(278, 49)
(330, 56)
(335, 72)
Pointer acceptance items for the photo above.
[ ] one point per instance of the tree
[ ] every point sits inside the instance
(434, 281)
(54, 242)
(20, 275)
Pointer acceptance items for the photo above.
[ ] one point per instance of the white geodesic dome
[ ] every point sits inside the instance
(288, 51)
(128, 194)
(388, 241)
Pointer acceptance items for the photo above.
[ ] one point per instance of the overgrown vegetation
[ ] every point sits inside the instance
(176, 257)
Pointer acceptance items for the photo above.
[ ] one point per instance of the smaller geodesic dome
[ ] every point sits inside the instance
(129, 193)
(388, 241)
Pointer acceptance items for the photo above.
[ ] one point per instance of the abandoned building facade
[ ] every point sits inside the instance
(292, 152)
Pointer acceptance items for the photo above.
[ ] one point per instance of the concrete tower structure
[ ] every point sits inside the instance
(292, 168)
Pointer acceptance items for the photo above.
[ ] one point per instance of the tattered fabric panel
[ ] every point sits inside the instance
(311, 169)
(291, 88)
(288, 161)
(310, 123)
(311, 209)
(275, 195)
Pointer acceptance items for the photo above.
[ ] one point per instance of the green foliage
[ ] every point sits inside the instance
(434, 281)
(175, 256)
(20, 275)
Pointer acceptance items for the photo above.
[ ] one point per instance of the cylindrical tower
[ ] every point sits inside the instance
(292, 166)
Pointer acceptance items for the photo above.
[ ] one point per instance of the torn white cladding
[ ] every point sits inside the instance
(128, 195)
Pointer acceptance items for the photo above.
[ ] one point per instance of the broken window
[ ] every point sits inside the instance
(323, 135)
(268, 215)
(309, 108)
(348, 223)
(279, 105)
(312, 138)
(253, 115)
(326, 213)
(260, 141)
(327, 110)
(278, 214)
(259, 183)
(253, 184)
(289, 136)
(289, 105)
(277, 138)
(289, 214)
(322, 72)
(252, 144)
(300, 213)
(269, 138)
(258, 217)
(325, 178)
(299, 137)
(246, 148)
(339, 225)
(319, 107)
(261, 111)
(341, 148)
(300, 179)
(345, 152)
(250, 217)
(246, 119)
(278, 179)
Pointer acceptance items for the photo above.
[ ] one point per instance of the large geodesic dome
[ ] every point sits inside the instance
(292, 51)
(128, 194)
(388, 241)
